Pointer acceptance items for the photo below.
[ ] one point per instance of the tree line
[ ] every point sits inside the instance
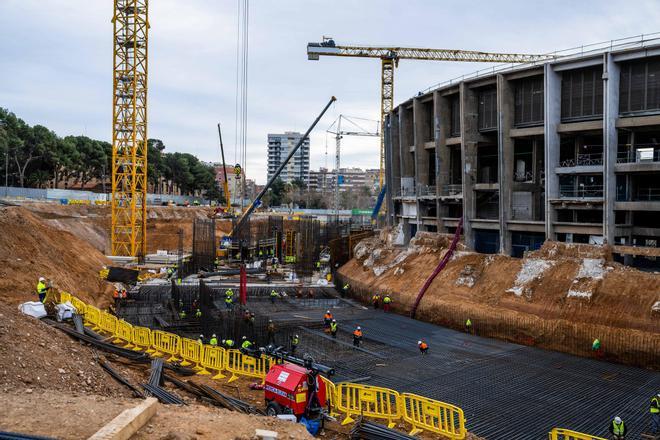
(34, 156)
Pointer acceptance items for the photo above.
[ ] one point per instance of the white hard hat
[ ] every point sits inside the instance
(223, 341)
(214, 335)
(419, 342)
(359, 328)
(334, 320)
(327, 311)
(201, 336)
(244, 338)
(42, 279)
(617, 420)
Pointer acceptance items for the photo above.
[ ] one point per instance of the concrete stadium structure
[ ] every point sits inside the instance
(565, 150)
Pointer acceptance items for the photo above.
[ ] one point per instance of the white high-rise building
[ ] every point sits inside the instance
(279, 146)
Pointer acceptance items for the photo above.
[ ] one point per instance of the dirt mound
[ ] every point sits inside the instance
(29, 248)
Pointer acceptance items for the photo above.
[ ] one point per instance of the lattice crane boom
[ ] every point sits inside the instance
(390, 57)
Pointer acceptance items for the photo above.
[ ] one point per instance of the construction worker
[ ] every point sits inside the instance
(618, 429)
(295, 340)
(655, 414)
(180, 304)
(182, 314)
(423, 346)
(595, 346)
(344, 290)
(200, 340)
(198, 314)
(468, 326)
(327, 319)
(115, 296)
(246, 345)
(273, 296)
(228, 343)
(179, 281)
(246, 315)
(213, 341)
(318, 265)
(229, 299)
(42, 289)
(170, 271)
(375, 300)
(270, 328)
(253, 319)
(357, 336)
(386, 303)
(333, 328)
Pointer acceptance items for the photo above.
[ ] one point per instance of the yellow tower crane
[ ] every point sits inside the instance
(389, 60)
(129, 128)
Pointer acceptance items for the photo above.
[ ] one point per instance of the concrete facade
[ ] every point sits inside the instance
(568, 150)
(279, 146)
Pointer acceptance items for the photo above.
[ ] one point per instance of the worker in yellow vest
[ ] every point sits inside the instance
(213, 341)
(618, 429)
(468, 326)
(42, 289)
(655, 414)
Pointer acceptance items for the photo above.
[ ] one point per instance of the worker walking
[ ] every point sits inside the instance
(344, 290)
(375, 300)
(357, 336)
(327, 319)
(423, 346)
(595, 345)
(618, 429)
(213, 341)
(273, 296)
(42, 289)
(270, 328)
(198, 313)
(655, 414)
(295, 340)
(468, 326)
(229, 299)
(333, 328)
(386, 303)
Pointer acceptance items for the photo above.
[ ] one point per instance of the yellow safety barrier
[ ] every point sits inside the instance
(244, 365)
(567, 434)
(432, 415)
(64, 297)
(108, 323)
(369, 401)
(330, 396)
(191, 352)
(79, 305)
(93, 316)
(164, 342)
(141, 339)
(124, 334)
(213, 358)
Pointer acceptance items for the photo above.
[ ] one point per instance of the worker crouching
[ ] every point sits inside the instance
(618, 429)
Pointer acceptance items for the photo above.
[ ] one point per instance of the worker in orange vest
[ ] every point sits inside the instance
(423, 346)
(357, 336)
(327, 319)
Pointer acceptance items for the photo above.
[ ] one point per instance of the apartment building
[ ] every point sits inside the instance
(324, 179)
(279, 146)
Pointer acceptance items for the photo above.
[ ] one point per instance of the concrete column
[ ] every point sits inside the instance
(470, 137)
(611, 74)
(442, 120)
(552, 103)
(505, 110)
(538, 169)
(421, 167)
(389, 176)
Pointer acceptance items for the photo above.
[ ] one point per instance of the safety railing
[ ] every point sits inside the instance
(191, 352)
(585, 159)
(581, 191)
(93, 316)
(433, 416)
(453, 189)
(165, 343)
(567, 434)
(345, 398)
(215, 359)
(124, 334)
(641, 153)
(242, 365)
(368, 401)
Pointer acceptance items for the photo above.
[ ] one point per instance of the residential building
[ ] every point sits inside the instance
(279, 146)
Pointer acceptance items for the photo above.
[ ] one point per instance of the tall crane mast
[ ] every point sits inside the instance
(129, 128)
(389, 60)
(355, 130)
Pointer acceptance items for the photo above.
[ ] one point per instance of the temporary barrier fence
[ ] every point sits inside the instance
(214, 358)
(164, 342)
(433, 416)
(65, 297)
(567, 434)
(191, 352)
(124, 334)
(93, 316)
(142, 339)
(80, 306)
(108, 323)
(368, 401)
(331, 396)
(243, 365)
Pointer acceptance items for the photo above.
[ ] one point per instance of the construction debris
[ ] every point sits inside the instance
(365, 430)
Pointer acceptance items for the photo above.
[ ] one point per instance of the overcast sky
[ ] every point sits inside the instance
(56, 61)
